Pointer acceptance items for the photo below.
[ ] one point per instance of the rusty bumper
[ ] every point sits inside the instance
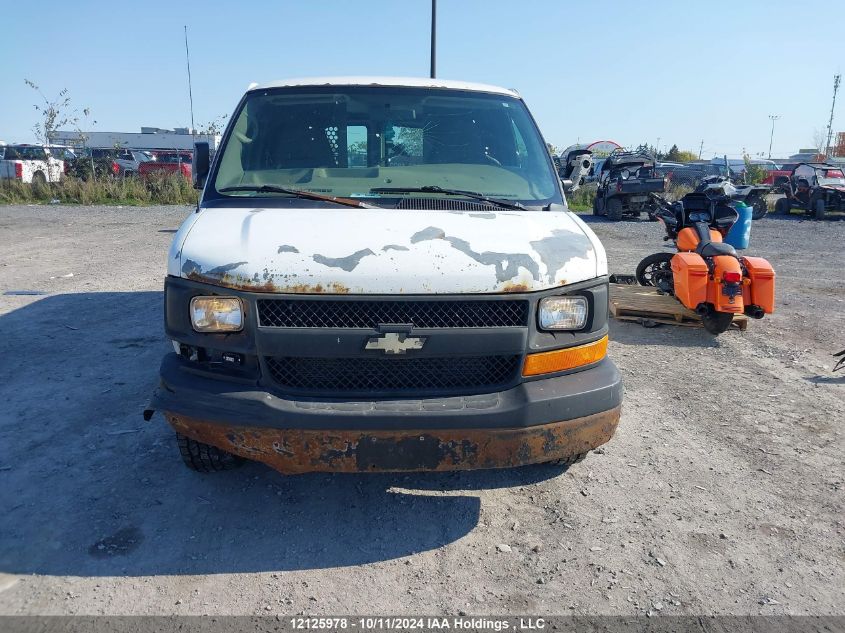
(299, 450)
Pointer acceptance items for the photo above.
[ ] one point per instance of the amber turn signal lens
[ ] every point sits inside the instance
(563, 359)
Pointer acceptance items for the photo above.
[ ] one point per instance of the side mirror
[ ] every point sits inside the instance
(202, 160)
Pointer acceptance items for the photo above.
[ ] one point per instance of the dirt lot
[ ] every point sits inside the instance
(722, 492)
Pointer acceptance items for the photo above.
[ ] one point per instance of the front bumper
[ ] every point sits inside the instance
(536, 421)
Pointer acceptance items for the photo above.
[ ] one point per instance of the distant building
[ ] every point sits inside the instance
(149, 138)
(805, 154)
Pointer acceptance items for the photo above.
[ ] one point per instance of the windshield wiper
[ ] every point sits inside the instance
(300, 193)
(451, 192)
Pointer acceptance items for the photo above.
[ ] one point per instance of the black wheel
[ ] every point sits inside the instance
(598, 205)
(205, 458)
(819, 208)
(782, 206)
(717, 322)
(569, 461)
(614, 209)
(38, 178)
(759, 209)
(656, 271)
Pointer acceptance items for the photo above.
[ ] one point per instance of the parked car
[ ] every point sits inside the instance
(126, 162)
(167, 163)
(31, 164)
(625, 183)
(691, 174)
(815, 188)
(437, 309)
(65, 154)
(779, 177)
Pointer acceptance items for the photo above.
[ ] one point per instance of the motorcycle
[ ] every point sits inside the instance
(705, 274)
(752, 195)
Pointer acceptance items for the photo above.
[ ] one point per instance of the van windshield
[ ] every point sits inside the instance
(348, 141)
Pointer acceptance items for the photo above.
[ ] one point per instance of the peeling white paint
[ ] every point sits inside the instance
(364, 251)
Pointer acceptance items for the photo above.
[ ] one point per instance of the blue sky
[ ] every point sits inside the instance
(628, 71)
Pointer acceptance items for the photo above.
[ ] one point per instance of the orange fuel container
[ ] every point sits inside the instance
(762, 282)
(689, 273)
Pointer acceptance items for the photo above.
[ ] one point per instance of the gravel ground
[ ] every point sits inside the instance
(720, 494)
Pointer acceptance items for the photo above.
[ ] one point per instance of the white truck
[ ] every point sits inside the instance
(430, 305)
(31, 164)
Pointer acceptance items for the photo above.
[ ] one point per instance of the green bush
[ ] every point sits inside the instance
(582, 200)
(754, 174)
(131, 190)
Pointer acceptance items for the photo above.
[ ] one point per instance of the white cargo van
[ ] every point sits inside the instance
(382, 275)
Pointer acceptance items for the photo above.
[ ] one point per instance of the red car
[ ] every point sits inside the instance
(167, 163)
(780, 176)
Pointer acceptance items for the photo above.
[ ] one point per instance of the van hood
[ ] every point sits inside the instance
(375, 251)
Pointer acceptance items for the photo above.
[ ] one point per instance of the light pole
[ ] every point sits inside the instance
(773, 117)
(433, 37)
(190, 91)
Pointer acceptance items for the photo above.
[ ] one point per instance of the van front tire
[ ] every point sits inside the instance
(205, 458)
(569, 461)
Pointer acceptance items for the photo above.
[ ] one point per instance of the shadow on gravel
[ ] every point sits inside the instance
(88, 488)
(632, 333)
(827, 380)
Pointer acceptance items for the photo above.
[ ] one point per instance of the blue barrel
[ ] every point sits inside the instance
(740, 233)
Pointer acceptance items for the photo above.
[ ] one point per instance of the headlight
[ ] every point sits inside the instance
(563, 313)
(217, 314)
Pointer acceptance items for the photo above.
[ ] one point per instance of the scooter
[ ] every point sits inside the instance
(705, 274)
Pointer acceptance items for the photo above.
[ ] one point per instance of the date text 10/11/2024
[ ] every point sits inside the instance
(387, 623)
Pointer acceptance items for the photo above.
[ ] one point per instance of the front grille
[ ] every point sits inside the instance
(305, 313)
(340, 376)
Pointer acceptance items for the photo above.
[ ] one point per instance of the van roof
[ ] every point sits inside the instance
(408, 82)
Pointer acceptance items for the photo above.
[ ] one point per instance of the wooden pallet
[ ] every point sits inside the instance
(644, 305)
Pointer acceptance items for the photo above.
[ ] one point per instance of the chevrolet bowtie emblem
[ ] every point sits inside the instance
(395, 343)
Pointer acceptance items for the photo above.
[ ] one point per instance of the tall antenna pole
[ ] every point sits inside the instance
(190, 91)
(832, 106)
(433, 37)
(773, 117)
